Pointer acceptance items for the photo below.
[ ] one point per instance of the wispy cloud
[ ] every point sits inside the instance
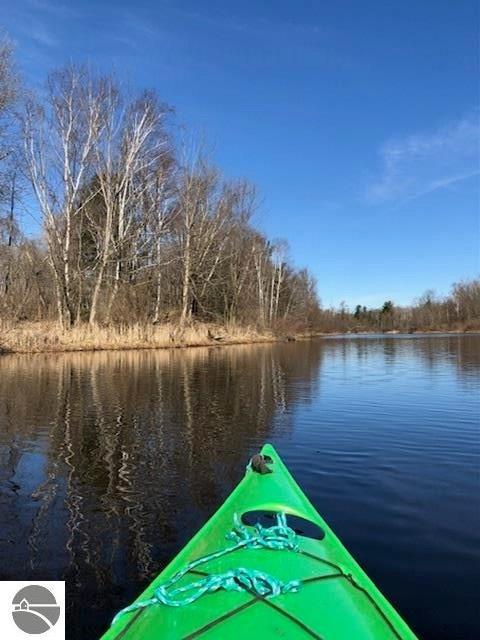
(424, 162)
(256, 27)
(41, 35)
(56, 8)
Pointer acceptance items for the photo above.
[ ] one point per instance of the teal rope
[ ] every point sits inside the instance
(277, 537)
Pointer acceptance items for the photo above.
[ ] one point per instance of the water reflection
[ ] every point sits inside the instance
(433, 350)
(110, 461)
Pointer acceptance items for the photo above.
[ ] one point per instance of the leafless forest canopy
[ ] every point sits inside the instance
(137, 227)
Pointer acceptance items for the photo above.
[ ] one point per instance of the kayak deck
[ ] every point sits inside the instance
(336, 599)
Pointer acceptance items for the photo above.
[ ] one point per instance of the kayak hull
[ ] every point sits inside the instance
(336, 599)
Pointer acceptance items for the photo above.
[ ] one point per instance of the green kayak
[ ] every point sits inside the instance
(266, 565)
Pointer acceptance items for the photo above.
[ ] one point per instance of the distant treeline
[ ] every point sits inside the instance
(460, 310)
(135, 226)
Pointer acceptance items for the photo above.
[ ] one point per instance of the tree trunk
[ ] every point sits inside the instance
(186, 306)
(10, 236)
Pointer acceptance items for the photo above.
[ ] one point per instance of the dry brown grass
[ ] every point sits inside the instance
(36, 337)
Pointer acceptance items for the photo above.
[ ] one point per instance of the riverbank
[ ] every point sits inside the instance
(458, 330)
(47, 337)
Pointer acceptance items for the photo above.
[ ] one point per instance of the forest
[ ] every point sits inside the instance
(457, 311)
(134, 226)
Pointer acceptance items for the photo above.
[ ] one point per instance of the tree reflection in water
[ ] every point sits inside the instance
(111, 460)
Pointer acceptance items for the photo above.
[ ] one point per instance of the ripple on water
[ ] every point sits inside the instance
(110, 461)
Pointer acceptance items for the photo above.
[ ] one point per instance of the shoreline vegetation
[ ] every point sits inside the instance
(48, 337)
(140, 242)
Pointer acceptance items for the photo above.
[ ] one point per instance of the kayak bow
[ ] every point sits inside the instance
(253, 570)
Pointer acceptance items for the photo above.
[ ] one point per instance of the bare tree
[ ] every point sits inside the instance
(261, 257)
(60, 137)
(10, 178)
(9, 89)
(9, 229)
(279, 251)
(159, 206)
(127, 166)
(131, 233)
(202, 231)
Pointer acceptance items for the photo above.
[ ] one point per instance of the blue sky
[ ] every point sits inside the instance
(358, 121)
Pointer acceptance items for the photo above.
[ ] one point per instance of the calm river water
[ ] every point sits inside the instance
(109, 462)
